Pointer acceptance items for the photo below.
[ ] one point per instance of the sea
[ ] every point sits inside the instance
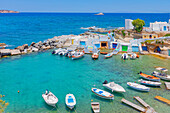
(31, 74)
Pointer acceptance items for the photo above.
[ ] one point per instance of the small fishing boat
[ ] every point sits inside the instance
(149, 83)
(113, 87)
(133, 56)
(109, 55)
(70, 101)
(137, 56)
(149, 77)
(57, 51)
(162, 74)
(102, 93)
(138, 86)
(50, 98)
(95, 56)
(124, 56)
(77, 55)
(95, 107)
(104, 53)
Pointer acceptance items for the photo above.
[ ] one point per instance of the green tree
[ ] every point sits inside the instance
(138, 24)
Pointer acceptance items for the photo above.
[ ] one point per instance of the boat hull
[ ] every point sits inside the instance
(139, 89)
(149, 83)
(70, 101)
(122, 90)
(149, 77)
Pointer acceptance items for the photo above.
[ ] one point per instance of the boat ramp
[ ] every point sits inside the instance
(147, 108)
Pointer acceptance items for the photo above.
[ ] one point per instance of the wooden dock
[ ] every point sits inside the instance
(167, 84)
(133, 105)
(149, 109)
(162, 99)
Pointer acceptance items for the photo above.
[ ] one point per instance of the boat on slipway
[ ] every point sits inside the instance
(50, 98)
(149, 77)
(149, 83)
(124, 56)
(77, 55)
(102, 93)
(95, 56)
(162, 74)
(95, 107)
(109, 55)
(113, 87)
(138, 86)
(70, 101)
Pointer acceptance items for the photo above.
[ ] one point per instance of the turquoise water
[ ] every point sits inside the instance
(32, 74)
(21, 28)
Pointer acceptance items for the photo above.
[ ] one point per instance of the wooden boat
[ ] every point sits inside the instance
(113, 87)
(95, 107)
(109, 55)
(104, 53)
(50, 98)
(149, 83)
(102, 93)
(124, 56)
(95, 56)
(162, 74)
(70, 101)
(77, 55)
(149, 77)
(138, 86)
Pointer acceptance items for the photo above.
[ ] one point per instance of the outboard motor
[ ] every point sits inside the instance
(105, 82)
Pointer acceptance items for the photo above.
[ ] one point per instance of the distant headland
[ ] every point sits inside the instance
(8, 11)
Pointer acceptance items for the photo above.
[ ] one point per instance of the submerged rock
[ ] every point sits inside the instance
(2, 44)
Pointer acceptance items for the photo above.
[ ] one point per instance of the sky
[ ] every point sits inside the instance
(88, 6)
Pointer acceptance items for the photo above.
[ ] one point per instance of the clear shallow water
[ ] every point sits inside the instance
(18, 29)
(34, 73)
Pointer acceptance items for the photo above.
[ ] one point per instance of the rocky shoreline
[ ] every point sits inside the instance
(55, 42)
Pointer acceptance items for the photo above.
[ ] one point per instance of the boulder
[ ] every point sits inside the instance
(32, 43)
(5, 52)
(45, 47)
(15, 52)
(25, 46)
(34, 49)
(21, 48)
(2, 44)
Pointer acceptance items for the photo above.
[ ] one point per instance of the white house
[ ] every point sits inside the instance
(128, 24)
(160, 26)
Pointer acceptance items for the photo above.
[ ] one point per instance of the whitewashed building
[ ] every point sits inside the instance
(128, 24)
(160, 26)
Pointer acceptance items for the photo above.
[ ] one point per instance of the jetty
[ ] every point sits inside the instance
(141, 109)
(147, 108)
(167, 84)
(162, 99)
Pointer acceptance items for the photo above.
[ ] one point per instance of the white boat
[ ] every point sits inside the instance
(102, 93)
(70, 101)
(113, 87)
(57, 51)
(138, 86)
(109, 55)
(50, 98)
(124, 56)
(77, 55)
(162, 74)
(95, 107)
(149, 83)
(133, 56)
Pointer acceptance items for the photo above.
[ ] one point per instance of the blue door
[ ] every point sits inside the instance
(97, 45)
(144, 48)
(164, 28)
(114, 45)
(135, 48)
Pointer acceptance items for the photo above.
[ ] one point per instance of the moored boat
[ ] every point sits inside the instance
(149, 77)
(70, 101)
(50, 98)
(95, 107)
(102, 93)
(113, 87)
(104, 53)
(95, 56)
(138, 86)
(77, 55)
(133, 56)
(149, 83)
(124, 56)
(162, 74)
(137, 56)
(109, 55)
